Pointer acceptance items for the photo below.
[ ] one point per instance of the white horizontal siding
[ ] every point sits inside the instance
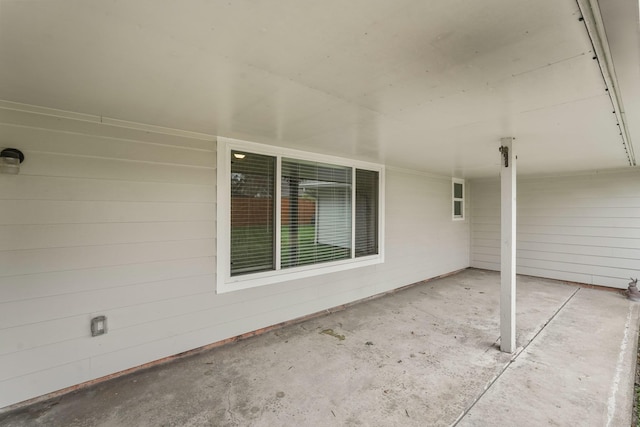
(115, 221)
(579, 228)
(40, 236)
(101, 219)
(92, 212)
(34, 188)
(20, 262)
(38, 285)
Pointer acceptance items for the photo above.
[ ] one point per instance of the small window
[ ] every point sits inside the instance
(458, 198)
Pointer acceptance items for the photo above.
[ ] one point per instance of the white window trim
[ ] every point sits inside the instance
(454, 199)
(224, 281)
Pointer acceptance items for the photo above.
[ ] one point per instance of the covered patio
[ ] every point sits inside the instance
(178, 175)
(427, 354)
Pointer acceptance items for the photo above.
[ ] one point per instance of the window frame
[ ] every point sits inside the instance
(227, 283)
(455, 199)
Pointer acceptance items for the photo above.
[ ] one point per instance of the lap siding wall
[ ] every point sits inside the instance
(578, 228)
(115, 221)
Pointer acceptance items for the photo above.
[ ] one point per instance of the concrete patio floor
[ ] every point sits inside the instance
(424, 356)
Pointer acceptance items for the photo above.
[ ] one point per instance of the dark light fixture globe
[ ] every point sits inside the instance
(10, 159)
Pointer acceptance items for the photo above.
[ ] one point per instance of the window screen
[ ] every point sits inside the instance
(366, 212)
(252, 212)
(315, 213)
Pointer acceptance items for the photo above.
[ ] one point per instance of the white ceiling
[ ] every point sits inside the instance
(430, 85)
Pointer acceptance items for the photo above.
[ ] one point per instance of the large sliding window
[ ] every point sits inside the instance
(285, 214)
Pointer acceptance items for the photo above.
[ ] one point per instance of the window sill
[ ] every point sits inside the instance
(236, 283)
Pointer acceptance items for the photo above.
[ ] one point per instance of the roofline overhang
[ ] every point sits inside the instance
(592, 19)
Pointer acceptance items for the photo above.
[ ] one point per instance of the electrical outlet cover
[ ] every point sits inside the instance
(98, 326)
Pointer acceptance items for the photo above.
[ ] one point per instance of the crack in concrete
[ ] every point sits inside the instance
(518, 352)
(231, 414)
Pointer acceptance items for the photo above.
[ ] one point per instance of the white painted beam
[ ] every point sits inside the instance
(507, 246)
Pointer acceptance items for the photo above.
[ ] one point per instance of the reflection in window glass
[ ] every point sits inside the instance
(366, 212)
(315, 213)
(457, 190)
(458, 199)
(457, 208)
(252, 212)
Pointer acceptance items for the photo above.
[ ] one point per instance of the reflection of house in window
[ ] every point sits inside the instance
(332, 212)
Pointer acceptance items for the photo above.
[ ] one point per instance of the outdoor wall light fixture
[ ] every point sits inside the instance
(10, 159)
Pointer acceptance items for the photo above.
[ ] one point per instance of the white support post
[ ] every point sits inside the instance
(507, 246)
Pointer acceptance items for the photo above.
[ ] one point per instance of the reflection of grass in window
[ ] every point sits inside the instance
(252, 249)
